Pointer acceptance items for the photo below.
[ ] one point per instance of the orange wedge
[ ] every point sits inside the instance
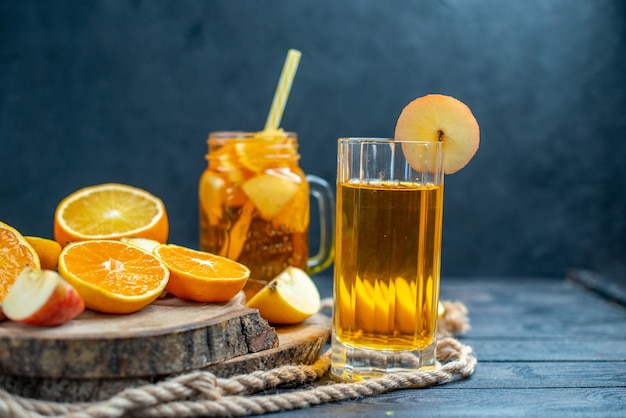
(113, 276)
(110, 211)
(201, 276)
(48, 251)
(15, 254)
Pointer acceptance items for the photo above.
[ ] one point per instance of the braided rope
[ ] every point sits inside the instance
(201, 393)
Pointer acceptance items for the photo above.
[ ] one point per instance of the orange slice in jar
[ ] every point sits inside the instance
(238, 234)
(259, 152)
(212, 194)
(226, 159)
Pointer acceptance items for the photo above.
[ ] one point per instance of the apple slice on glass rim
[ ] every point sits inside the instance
(439, 118)
(41, 298)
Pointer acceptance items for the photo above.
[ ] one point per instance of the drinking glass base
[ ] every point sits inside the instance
(351, 363)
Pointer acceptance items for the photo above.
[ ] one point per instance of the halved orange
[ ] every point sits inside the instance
(201, 276)
(110, 211)
(48, 251)
(15, 254)
(113, 276)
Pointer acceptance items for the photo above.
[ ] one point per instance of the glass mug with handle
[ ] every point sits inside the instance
(255, 205)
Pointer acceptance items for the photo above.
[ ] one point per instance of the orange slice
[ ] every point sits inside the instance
(226, 157)
(110, 211)
(212, 195)
(236, 237)
(201, 276)
(15, 254)
(257, 153)
(113, 276)
(48, 251)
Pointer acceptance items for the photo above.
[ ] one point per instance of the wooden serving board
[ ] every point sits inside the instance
(96, 355)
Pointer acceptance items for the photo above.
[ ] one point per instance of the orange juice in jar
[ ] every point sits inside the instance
(254, 205)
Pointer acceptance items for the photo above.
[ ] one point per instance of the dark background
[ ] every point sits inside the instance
(126, 91)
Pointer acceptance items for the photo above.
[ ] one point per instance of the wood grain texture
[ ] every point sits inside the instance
(169, 336)
(491, 402)
(297, 344)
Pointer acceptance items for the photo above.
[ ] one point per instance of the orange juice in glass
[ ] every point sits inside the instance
(255, 208)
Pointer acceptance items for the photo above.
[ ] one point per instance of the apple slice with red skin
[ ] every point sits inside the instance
(436, 117)
(41, 298)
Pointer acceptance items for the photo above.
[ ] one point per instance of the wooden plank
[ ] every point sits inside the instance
(559, 298)
(299, 344)
(535, 327)
(548, 349)
(536, 309)
(558, 403)
(170, 335)
(563, 306)
(535, 375)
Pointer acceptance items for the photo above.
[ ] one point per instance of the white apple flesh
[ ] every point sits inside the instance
(439, 118)
(41, 298)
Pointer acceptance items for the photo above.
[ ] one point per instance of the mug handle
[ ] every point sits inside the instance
(323, 193)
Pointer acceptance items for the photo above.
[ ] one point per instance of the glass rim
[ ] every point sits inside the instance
(382, 140)
(235, 134)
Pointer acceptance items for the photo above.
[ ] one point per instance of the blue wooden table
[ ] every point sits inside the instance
(545, 347)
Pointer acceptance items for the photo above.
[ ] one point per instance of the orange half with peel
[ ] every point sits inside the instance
(110, 211)
(113, 276)
(201, 276)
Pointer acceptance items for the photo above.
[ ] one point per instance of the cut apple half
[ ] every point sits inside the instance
(434, 118)
(41, 298)
(290, 298)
